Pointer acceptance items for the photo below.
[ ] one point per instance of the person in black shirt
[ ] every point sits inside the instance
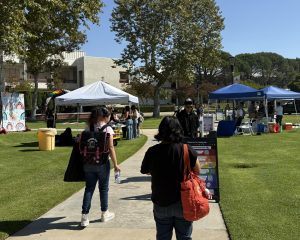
(164, 162)
(188, 119)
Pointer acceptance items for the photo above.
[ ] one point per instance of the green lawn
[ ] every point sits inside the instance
(259, 182)
(32, 180)
(59, 125)
(260, 185)
(149, 123)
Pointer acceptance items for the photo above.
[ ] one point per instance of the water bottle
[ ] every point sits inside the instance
(117, 177)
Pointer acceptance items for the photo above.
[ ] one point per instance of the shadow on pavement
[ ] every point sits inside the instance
(39, 226)
(144, 197)
(10, 227)
(137, 179)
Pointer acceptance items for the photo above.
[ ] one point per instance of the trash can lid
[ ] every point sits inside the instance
(50, 130)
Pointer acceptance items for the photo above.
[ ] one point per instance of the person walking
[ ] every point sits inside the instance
(99, 172)
(188, 119)
(164, 162)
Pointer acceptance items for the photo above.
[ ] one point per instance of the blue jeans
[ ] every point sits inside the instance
(94, 174)
(129, 129)
(134, 128)
(167, 218)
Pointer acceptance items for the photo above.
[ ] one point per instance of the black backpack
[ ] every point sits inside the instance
(94, 146)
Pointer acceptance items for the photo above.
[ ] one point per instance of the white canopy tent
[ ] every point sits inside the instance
(98, 93)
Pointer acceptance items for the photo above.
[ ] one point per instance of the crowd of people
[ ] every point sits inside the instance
(130, 120)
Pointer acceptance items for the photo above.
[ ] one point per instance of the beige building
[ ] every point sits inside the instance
(80, 70)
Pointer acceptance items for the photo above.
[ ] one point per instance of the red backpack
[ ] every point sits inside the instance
(194, 201)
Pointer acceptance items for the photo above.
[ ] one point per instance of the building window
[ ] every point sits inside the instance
(124, 77)
(80, 73)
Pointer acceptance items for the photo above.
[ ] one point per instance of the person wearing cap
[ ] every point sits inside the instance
(188, 119)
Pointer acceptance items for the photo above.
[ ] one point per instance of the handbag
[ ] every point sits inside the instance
(193, 198)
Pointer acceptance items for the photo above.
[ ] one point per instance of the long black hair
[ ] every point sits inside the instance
(96, 113)
(169, 130)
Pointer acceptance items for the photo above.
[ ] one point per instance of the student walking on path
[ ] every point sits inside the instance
(99, 172)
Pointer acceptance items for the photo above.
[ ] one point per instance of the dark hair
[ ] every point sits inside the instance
(104, 112)
(169, 130)
(94, 116)
(96, 113)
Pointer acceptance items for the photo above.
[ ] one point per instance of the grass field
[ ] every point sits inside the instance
(149, 123)
(32, 180)
(260, 185)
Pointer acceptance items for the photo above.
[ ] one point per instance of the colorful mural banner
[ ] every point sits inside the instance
(13, 110)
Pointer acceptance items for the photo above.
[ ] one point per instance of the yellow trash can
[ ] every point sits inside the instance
(46, 137)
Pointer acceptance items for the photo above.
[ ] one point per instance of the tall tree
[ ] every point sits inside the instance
(165, 37)
(267, 68)
(54, 27)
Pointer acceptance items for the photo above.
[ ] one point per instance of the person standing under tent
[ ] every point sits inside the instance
(252, 111)
(240, 114)
(128, 122)
(226, 112)
(135, 117)
(279, 114)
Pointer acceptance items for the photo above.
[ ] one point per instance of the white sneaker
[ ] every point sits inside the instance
(106, 216)
(84, 220)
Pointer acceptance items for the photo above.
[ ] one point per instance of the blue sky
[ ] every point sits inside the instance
(250, 26)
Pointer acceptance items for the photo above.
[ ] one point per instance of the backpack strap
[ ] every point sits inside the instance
(103, 127)
(187, 166)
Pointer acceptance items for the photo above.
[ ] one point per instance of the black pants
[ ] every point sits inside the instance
(279, 119)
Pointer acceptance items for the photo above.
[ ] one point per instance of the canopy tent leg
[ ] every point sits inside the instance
(78, 111)
(266, 110)
(296, 111)
(55, 115)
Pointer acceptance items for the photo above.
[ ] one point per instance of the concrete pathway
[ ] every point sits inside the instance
(132, 205)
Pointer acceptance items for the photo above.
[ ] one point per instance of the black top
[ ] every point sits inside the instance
(165, 164)
(189, 123)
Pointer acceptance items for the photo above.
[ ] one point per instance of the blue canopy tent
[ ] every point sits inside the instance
(275, 93)
(237, 91)
(234, 92)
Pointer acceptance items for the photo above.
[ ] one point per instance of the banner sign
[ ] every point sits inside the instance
(13, 110)
(207, 155)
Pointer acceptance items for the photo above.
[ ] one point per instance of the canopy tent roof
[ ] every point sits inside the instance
(236, 91)
(273, 93)
(98, 93)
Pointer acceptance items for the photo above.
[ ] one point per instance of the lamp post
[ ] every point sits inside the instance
(231, 61)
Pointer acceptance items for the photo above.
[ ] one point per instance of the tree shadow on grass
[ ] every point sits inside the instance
(28, 144)
(29, 150)
(36, 227)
